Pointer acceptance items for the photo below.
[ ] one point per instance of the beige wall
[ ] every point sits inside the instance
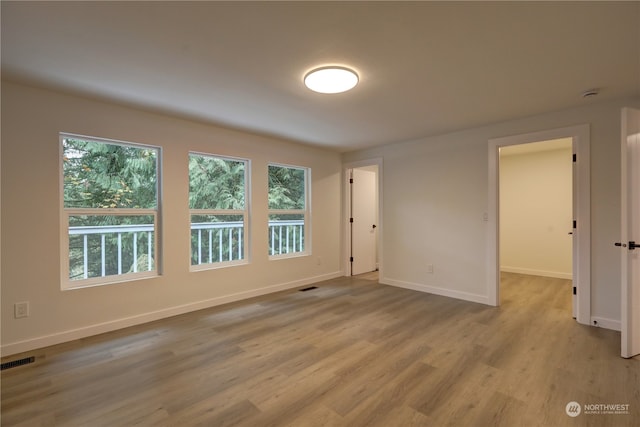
(536, 212)
(435, 193)
(31, 121)
(434, 189)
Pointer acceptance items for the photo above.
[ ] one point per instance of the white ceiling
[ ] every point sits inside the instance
(426, 67)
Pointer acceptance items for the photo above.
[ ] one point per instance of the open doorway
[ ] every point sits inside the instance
(363, 219)
(536, 221)
(581, 226)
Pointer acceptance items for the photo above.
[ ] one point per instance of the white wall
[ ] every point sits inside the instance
(31, 121)
(536, 212)
(436, 191)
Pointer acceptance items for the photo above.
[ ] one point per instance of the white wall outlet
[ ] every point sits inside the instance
(318, 261)
(430, 268)
(21, 309)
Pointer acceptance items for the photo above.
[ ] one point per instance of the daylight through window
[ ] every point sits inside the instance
(110, 211)
(288, 210)
(219, 210)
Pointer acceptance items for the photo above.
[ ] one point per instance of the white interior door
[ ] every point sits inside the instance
(364, 213)
(574, 233)
(630, 233)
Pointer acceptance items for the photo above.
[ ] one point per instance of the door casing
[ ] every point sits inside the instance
(346, 231)
(582, 213)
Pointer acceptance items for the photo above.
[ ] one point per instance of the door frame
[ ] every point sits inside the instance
(346, 230)
(582, 194)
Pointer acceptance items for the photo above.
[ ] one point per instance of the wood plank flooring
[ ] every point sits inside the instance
(350, 353)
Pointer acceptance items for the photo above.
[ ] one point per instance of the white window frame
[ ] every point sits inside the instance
(244, 212)
(66, 283)
(306, 212)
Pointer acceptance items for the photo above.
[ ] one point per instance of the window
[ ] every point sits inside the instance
(219, 210)
(288, 210)
(110, 211)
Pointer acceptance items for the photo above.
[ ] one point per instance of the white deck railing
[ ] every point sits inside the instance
(286, 237)
(212, 242)
(119, 231)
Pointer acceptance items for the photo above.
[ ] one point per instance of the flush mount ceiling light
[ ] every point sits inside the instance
(331, 79)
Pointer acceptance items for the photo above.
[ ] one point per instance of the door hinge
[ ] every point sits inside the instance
(350, 259)
(351, 220)
(575, 158)
(575, 223)
(350, 180)
(575, 291)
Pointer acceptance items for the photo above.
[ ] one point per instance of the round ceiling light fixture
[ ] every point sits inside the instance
(331, 79)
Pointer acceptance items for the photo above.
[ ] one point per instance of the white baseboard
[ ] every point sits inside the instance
(466, 296)
(532, 272)
(87, 331)
(605, 323)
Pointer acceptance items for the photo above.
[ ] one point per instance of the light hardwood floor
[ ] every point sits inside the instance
(350, 353)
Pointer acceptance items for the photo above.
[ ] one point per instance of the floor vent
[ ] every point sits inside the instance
(18, 362)
(310, 288)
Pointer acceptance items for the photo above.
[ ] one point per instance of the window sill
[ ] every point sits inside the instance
(68, 285)
(289, 256)
(217, 265)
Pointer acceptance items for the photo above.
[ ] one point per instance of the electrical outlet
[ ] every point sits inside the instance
(318, 261)
(21, 309)
(430, 268)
